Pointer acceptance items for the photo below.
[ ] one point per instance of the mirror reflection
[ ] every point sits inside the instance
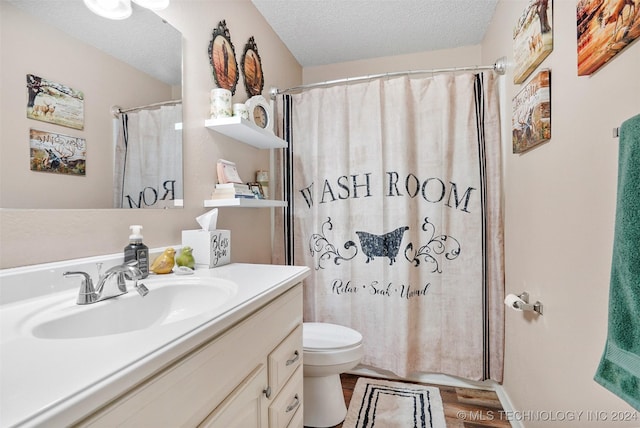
(129, 72)
(148, 157)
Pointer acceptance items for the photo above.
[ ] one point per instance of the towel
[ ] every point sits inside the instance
(619, 369)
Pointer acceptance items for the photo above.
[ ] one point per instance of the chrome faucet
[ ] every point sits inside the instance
(88, 294)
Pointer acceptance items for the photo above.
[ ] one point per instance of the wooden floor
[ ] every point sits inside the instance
(463, 407)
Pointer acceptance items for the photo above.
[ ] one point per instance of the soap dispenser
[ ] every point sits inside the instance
(136, 250)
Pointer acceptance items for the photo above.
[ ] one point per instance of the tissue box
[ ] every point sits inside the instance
(211, 248)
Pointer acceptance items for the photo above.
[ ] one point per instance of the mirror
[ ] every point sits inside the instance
(131, 64)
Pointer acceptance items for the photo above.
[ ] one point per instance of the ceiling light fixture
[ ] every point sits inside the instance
(121, 9)
(153, 4)
(112, 9)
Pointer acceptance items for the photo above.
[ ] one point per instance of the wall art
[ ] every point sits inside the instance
(222, 56)
(605, 27)
(54, 102)
(252, 69)
(63, 154)
(256, 189)
(532, 38)
(531, 121)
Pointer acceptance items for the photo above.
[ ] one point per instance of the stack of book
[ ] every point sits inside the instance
(232, 190)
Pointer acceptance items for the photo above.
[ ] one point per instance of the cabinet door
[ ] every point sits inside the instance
(285, 359)
(245, 407)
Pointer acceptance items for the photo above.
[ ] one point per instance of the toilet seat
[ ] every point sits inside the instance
(326, 344)
(318, 336)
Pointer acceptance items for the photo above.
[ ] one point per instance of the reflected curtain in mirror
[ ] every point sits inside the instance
(148, 158)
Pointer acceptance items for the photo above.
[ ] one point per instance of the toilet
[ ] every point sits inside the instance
(328, 351)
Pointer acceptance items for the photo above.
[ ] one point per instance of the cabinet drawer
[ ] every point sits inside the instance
(285, 359)
(288, 402)
(298, 419)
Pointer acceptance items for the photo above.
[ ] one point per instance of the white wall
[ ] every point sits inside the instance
(560, 207)
(459, 57)
(37, 236)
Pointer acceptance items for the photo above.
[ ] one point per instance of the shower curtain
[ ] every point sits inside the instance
(394, 190)
(148, 158)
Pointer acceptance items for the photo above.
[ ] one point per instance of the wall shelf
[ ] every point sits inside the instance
(246, 132)
(244, 203)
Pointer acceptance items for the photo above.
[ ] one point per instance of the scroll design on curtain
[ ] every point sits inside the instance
(435, 246)
(320, 245)
(386, 245)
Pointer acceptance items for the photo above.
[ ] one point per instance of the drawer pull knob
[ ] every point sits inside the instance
(296, 357)
(267, 392)
(296, 403)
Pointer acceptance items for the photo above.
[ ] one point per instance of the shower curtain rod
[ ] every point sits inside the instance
(116, 110)
(500, 67)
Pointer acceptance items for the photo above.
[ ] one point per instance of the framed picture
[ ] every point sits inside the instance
(252, 69)
(222, 56)
(605, 27)
(54, 102)
(62, 154)
(256, 188)
(531, 121)
(532, 38)
(227, 172)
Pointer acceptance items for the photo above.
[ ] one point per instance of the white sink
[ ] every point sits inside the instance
(168, 301)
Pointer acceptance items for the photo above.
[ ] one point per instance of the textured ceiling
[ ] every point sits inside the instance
(319, 32)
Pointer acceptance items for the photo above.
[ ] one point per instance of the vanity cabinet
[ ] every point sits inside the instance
(249, 375)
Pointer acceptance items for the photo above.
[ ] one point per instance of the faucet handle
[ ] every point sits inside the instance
(140, 288)
(87, 293)
(122, 285)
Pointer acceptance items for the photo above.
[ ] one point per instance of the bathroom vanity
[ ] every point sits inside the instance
(221, 348)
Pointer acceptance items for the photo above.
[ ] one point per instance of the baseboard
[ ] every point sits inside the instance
(446, 380)
(508, 407)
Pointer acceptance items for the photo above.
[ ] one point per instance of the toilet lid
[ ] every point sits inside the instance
(322, 336)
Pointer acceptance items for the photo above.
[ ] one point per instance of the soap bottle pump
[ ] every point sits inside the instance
(136, 250)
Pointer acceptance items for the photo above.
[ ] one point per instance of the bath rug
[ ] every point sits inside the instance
(387, 404)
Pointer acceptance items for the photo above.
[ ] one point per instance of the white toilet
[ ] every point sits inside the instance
(328, 350)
